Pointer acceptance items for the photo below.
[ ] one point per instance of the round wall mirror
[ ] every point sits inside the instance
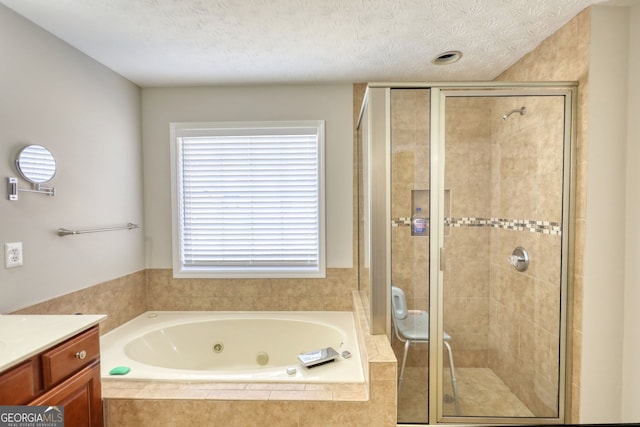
(36, 164)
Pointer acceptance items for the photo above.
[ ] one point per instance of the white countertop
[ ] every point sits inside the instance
(22, 336)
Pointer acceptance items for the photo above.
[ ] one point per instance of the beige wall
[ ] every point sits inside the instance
(600, 389)
(631, 346)
(89, 117)
(594, 49)
(610, 334)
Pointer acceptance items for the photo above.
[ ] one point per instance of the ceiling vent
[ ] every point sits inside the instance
(448, 57)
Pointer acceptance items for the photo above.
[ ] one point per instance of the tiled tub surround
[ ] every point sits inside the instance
(139, 403)
(333, 293)
(120, 299)
(126, 297)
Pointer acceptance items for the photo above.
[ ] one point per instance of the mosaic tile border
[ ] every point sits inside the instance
(532, 226)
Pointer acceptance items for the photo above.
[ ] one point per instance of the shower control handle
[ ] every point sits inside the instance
(519, 259)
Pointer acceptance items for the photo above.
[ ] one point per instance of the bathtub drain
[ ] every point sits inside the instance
(218, 347)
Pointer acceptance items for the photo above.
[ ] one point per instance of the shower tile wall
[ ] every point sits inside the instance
(467, 179)
(410, 172)
(502, 172)
(526, 183)
(564, 56)
(466, 275)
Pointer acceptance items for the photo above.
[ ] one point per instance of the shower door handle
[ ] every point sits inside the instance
(443, 263)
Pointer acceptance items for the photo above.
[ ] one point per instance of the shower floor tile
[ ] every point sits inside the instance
(480, 393)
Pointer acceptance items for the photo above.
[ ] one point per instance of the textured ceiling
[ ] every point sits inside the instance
(197, 42)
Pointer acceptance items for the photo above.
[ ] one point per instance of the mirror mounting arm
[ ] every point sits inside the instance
(13, 189)
(36, 165)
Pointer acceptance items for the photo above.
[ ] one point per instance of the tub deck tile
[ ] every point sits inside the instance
(214, 386)
(351, 394)
(279, 386)
(122, 393)
(171, 394)
(238, 394)
(116, 384)
(343, 392)
(300, 395)
(233, 391)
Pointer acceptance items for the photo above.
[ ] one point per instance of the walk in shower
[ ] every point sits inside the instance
(488, 167)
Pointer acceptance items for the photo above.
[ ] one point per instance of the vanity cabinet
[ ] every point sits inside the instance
(68, 374)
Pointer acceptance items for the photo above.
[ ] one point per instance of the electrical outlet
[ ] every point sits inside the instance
(12, 254)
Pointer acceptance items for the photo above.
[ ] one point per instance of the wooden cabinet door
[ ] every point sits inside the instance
(21, 383)
(81, 397)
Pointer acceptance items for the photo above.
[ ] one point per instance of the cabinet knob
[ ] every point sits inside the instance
(81, 355)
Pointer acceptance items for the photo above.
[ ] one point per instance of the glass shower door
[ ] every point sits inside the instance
(409, 152)
(504, 182)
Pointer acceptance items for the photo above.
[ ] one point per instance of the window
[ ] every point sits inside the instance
(248, 199)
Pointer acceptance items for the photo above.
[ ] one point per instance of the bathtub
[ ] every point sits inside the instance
(232, 347)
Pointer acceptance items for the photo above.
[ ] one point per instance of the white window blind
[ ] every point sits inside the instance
(250, 199)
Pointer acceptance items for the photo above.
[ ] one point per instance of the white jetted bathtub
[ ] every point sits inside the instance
(232, 346)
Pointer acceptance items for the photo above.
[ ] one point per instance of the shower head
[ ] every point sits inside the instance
(522, 111)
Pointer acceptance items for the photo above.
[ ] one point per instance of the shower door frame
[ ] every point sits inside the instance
(438, 250)
(380, 290)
